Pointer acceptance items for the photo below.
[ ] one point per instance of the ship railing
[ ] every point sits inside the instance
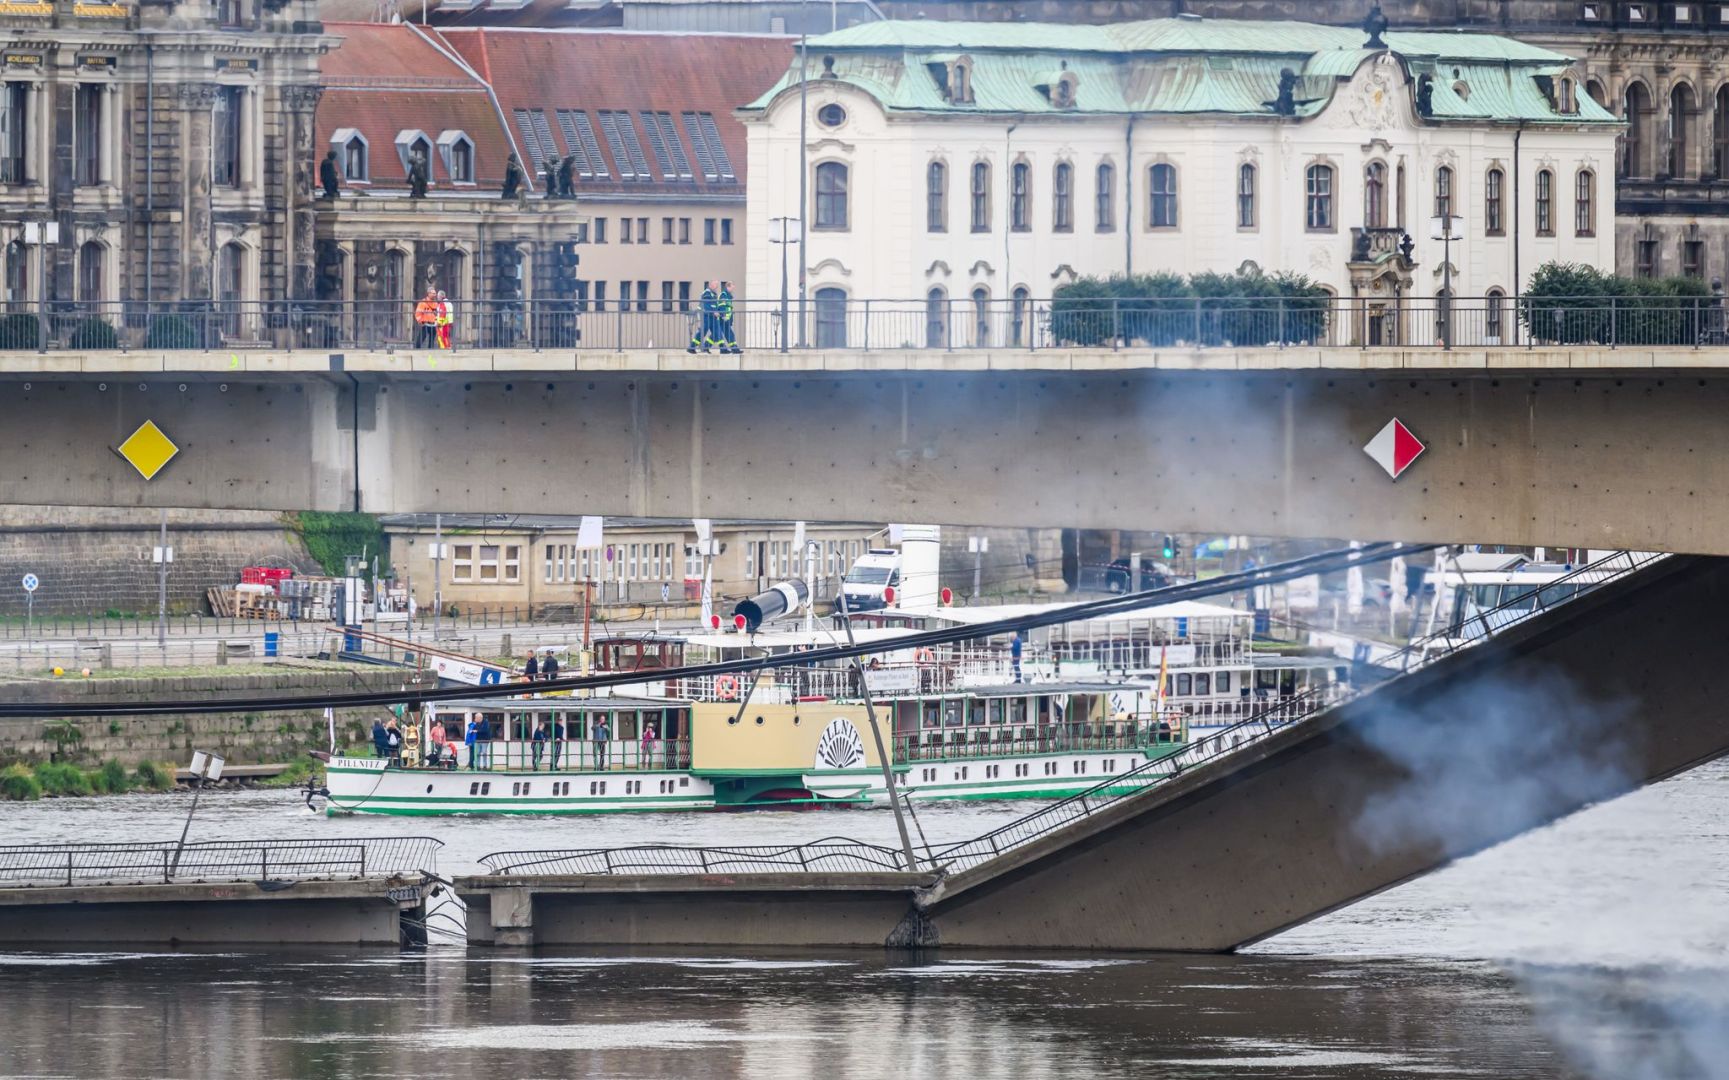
(986, 741)
(1278, 717)
(565, 755)
(216, 860)
(833, 855)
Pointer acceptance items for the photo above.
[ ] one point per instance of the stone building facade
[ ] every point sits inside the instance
(1657, 65)
(168, 144)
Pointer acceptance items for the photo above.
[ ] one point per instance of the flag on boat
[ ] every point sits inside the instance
(330, 721)
(1164, 666)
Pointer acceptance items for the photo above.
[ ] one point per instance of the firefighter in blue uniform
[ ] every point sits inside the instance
(707, 333)
(728, 339)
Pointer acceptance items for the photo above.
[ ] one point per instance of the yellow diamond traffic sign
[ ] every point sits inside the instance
(148, 449)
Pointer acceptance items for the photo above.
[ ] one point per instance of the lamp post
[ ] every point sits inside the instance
(1446, 228)
(803, 165)
(782, 231)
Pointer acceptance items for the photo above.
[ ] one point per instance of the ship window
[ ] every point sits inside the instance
(592, 787)
(486, 788)
(473, 789)
(429, 789)
(516, 789)
(1203, 683)
(1224, 682)
(684, 781)
(525, 789)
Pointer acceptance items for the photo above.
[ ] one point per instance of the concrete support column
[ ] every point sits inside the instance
(512, 917)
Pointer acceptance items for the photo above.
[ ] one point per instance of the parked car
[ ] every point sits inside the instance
(1117, 577)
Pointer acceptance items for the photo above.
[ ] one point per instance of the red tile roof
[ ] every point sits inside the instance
(386, 79)
(600, 70)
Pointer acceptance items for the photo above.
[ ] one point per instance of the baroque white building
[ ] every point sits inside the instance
(965, 168)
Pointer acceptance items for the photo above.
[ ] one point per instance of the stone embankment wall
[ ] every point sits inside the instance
(91, 560)
(240, 737)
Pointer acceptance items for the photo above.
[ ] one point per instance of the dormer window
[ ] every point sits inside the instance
(410, 142)
(457, 151)
(1063, 93)
(352, 153)
(954, 77)
(1567, 96)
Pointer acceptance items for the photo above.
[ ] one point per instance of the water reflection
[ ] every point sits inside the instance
(334, 1014)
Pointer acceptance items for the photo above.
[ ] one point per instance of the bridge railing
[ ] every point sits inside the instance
(215, 860)
(838, 853)
(1417, 654)
(846, 323)
(833, 855)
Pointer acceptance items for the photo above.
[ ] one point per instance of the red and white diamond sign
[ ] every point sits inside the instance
(1394, 448)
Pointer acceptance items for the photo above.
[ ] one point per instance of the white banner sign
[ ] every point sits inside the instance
(892, 680)
(466, 671)
(588, 533)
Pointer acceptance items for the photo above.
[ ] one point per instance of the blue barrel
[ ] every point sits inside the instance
(271, 641)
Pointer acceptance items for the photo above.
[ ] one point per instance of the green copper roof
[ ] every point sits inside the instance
(1179, 65)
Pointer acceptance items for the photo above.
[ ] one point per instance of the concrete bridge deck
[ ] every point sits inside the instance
(1564, 709)
(1607, 449)
(222, 363)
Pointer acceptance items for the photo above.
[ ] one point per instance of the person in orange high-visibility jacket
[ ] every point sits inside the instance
(426, 320)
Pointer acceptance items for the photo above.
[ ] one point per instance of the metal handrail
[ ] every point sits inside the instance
(1278, 716)
(216, 860)
(834, 854)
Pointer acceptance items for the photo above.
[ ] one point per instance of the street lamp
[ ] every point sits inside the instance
(784, 231)
(1447, 228)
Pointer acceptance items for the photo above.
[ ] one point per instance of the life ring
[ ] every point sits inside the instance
(924, 656)
(725, 687)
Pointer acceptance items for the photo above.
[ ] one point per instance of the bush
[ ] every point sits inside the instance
(171, 332)
(59, 778)
(93, 334)
(19, 784)
(19, 331)
(155, 776)
(1240, 308)
(1570, 304)
(111, 778)
(332, 537)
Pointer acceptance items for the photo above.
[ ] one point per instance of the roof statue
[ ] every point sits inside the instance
(1375, 24)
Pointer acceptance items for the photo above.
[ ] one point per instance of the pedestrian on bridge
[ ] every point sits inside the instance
(707, 333)
(728, 340)
(426, 321)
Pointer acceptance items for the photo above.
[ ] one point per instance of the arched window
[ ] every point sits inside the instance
(1318, 198)
(980, 196)
(936, 197)
(981, 317)
(1444, 192)
(92, 262)
(1018, 320)
(1594, 88)
(1636, 145)
(831, 318)
(1105, 201)
(1162, 196)
(394, 281)
(1720, 134)
(1494, 188)
(1681, 113)
(1245, 196)
(1063, 198)
(1494, 316)
(453, 272)
(1020, 197)
(354, 162)
(1375, 195)
(831, 195)
(1585, 203)
(936, 319)
(1545, 202)
(1566, 97)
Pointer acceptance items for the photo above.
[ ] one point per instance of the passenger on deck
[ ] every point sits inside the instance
(393, 742)
(649, 738)
(549, 667)
(438, 745)
(539, 739)
(483, 740)
(601, 734)
(1015, 654)
(557, 740)
(380, 739)
(531, 669)
(471, 737)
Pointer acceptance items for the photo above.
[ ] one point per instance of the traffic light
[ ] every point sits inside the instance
(1170, 548)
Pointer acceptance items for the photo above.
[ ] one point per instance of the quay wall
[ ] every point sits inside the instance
(96, 559)
(240, 737)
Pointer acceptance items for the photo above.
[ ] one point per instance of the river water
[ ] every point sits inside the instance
(1595, 948)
